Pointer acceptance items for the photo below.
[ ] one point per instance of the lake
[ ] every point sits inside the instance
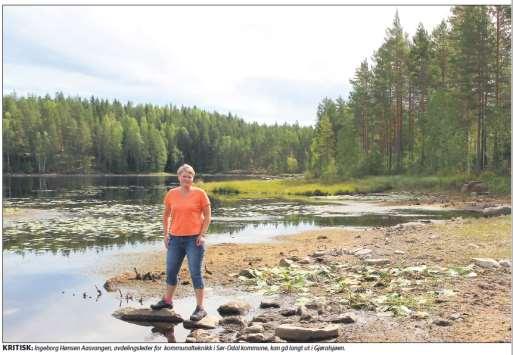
(68, 225)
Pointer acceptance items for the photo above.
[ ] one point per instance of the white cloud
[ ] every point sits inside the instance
(264, 64)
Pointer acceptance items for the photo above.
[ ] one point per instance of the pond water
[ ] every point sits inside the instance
(66, 225)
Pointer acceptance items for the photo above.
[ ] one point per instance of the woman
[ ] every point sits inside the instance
(188, 208)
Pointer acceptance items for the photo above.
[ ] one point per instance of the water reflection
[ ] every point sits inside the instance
(168, 333)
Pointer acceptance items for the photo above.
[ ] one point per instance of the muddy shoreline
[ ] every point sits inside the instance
(478, 310)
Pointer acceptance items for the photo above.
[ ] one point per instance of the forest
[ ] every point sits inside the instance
(438, 103)
(435, 103)
(75, 135)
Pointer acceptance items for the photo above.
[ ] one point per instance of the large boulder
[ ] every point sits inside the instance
(298, 333)
(148, 317)
(233, 308)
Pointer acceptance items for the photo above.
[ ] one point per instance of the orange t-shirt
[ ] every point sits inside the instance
(186, 211)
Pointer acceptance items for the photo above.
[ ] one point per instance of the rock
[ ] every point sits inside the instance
(255, 338)
(347, 318)
(486, 263)
(321, 237)
(420, 315)
(286, 263)
(287, 312)
(455, 316)
(269, 303)
(255, 328)
(301, 310)
(246, 273)
(263, 318)
(235, 307)
(362, 252)
(319, 253)
(376, 261)
(496, 211)
(399, 252)
(146, 316)
(233, 322)
(297, 333)
(505, 264)
(305, 261)
(472, 245)
(306, 317)
(228, 337)
(201, 336)
(315, 306)
(209, 322)
(442, 322)
(110, 286)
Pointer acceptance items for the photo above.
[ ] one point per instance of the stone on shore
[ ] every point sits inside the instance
(235, 307)
(287, 312)
(347, 318)
(233, 322)
(269, 303)
(209, 322)
(505, 264)
(486, 263)
(246, 273)
(298, 333)
(496, 211)
(255, 328)
(146, 316)
(201, 336)
(442, 322)
(286, 263)
(376, 261)
(362, 252)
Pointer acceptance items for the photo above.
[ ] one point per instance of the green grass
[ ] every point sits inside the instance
(298, 188)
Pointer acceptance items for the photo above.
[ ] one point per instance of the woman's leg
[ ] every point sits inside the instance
(175, 254)
(195, 261)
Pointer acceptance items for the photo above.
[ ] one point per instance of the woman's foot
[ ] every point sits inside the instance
(162, 304)
(199, 313)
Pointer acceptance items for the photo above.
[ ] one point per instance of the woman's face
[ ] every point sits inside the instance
(186, 178)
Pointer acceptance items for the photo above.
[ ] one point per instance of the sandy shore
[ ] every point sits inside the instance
(484, 301)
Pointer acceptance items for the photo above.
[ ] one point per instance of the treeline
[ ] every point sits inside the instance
(436, 103)
(76, 135)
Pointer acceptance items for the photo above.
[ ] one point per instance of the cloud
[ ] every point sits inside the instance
(265, 64)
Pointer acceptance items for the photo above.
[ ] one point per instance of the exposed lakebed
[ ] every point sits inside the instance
(62, 227)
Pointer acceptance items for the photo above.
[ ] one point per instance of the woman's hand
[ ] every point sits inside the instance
(200, 240)
(166, 240)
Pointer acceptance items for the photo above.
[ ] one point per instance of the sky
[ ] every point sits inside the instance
(263, 64)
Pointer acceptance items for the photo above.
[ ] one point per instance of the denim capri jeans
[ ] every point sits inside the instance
(178, 248)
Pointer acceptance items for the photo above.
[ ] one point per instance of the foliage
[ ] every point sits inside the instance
(67, 135)
(436, 104)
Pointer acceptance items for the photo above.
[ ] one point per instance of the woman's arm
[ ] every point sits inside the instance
(207, 215)
(166, 222)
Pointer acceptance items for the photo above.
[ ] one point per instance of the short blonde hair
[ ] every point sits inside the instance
(186, 167)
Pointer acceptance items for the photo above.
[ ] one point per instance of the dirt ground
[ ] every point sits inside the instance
(483, 303)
